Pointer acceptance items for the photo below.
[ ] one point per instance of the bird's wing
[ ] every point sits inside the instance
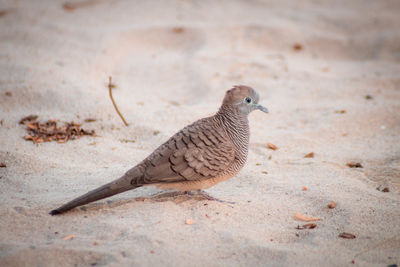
(195, 153)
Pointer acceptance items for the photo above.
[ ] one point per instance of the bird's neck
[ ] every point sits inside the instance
(237, 127)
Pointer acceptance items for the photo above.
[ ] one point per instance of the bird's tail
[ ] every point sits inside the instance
(118, 186)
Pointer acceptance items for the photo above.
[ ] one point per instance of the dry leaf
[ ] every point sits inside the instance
(174, 103)
(189, 221)
(127, 141)
(332, 205)
(354, 165)
(28, 119)
(272, 146)
(69, 237)
(30, 126)
(347, 236)
(178, 29)
(69, 7)
(309, 225)
(383, 188)
(309, 155)
(306, 226)
(3, 12)
(297, 47)
(301, 217)
(340, 111)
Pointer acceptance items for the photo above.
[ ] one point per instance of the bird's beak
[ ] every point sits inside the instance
(262, 108)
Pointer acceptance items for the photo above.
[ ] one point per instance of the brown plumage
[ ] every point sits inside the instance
(200, 155)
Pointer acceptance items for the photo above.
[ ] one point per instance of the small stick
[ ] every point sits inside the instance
(110, 87)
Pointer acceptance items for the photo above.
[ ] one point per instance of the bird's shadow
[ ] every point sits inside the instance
(179, 197)
(174, 196)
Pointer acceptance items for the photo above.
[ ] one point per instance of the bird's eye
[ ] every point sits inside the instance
(247, 100)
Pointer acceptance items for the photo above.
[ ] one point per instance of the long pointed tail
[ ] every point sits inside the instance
(118, 186)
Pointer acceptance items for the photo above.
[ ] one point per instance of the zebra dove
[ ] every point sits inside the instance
(199, 156)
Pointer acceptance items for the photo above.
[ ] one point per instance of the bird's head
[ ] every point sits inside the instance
(244, 99)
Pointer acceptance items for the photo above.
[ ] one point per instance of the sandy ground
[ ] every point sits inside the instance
(172, 62)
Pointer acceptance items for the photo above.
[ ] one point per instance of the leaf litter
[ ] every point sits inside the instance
(51, 131)
(303, 218)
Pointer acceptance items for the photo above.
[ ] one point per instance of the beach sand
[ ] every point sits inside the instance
(329, 73)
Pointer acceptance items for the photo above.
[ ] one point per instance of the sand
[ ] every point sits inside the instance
(313, 64)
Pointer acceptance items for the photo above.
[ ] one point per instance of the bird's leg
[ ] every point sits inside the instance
(207, 196)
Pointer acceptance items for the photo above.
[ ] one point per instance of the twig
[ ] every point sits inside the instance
(110, 87)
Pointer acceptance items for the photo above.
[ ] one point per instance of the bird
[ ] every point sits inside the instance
(202, 154)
